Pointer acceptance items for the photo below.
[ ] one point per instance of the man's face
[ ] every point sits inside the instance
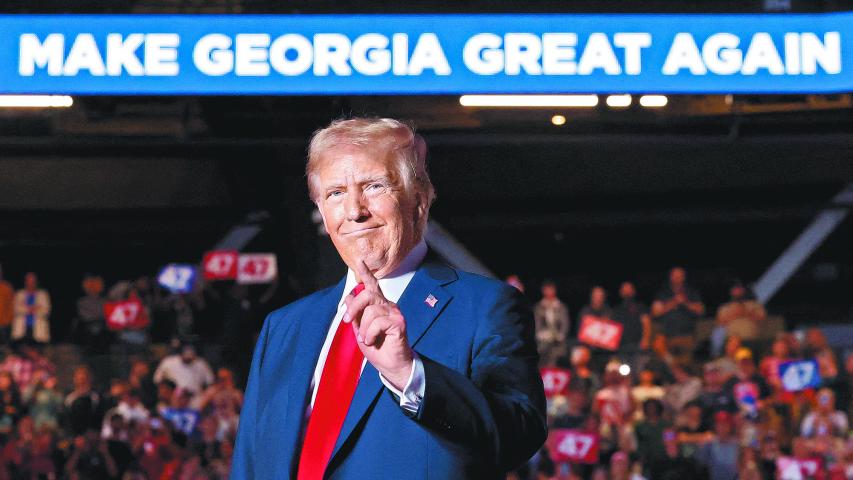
(368, 214)
(677, 276)
(627, 291)
(597, 296)
(31, 281)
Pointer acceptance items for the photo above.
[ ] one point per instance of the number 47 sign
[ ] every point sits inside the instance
(574, 446)
(799, 375)
(600, 332)
(245, 268)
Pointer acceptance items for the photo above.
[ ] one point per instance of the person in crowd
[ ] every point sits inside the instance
(597, 306)
(187, 369)
(613, 404)
(717, 395)
(824, 420)
(552, 324)
(45, 401)
(7, 308)
(183, 417)
(223, 402)
(692, 430)
(23, 362)
(83, 404)
(11, 405)
(817, 347)
(90, 325)
(676, 308)
(649, 434)
(582, 378)
(118, 444)
(749, 388)
(647, 388)
(685, 388)
(769, 366)
(165, 392)
(720, 454)
(661, 360)
(130, 408)
(90, 458)
(676, 466)
(140, 379)
(32, 312)
(742, 315)
(636, 321)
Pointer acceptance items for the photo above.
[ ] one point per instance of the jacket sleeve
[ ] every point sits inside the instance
(242, 466)
(499, 409)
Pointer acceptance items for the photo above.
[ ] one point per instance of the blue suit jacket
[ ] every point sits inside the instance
(483, 411)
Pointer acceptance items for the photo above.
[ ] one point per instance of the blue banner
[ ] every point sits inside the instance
(426, 54)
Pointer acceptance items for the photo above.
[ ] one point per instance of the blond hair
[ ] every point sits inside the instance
(383, 134)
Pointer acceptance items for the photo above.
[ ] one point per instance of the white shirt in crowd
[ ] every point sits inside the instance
(187, 376)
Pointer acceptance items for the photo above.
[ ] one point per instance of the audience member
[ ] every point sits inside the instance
(824, 420)
(32, 310)
(90, 328)
(635, 319)
(552, 324)
(742, 315)
(83, 404)
(677, 307)
(720, 454)
(186, 369)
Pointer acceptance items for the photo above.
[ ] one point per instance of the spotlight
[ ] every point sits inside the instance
(624, 370)
(558, 120)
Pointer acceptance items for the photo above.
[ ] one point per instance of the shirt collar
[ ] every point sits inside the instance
(395, 283)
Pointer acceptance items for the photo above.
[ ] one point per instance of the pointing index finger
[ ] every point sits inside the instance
(366, 277)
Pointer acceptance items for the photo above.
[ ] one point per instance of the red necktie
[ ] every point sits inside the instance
(334, 395)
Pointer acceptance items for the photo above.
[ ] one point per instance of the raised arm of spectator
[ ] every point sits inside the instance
(646, 340)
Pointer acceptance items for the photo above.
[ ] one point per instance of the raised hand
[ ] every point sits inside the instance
(380, 329)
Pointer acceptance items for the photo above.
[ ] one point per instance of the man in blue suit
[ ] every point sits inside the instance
(407, 368)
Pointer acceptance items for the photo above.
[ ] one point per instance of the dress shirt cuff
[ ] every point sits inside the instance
(413, 393)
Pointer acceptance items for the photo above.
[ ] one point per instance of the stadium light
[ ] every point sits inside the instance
(653, 101)
(36, 101)
(530, 101)
(618, 101)
(558, 120)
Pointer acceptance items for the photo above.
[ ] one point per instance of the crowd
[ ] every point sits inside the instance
(656, 406)
(167, 417)
(661, 406)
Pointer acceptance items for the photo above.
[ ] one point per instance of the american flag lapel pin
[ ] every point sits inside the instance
(431, 300)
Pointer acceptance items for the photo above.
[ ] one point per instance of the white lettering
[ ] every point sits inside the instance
(32, 53)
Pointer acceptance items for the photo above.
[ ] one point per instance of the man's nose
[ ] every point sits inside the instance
(356, 208)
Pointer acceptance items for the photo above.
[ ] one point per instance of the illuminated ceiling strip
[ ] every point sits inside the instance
(530, 101)
(36, 101)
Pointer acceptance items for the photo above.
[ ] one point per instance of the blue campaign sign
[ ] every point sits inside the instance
(177, 278)
(799, 375)
(426, 54)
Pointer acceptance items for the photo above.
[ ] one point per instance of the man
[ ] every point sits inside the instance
(32, 309)
(677, 307)
(742, 315)
(407, 368)
(552, 324)
(635, 319)
(186, 369)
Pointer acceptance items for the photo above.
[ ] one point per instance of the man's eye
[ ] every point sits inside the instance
(376, 186)
(335, 193)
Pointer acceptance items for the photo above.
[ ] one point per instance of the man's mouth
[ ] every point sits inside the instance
(361, 231)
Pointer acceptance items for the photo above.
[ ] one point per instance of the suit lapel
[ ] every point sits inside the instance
(309, 335)
(419, 315)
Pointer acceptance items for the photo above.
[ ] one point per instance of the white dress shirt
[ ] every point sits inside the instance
(393, 285)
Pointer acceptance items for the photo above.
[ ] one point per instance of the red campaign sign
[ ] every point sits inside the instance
(256, 268)
(600, 332)
(125, 315)
(220, 265)
(556, 381)
(573, 446)
(790, 467)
